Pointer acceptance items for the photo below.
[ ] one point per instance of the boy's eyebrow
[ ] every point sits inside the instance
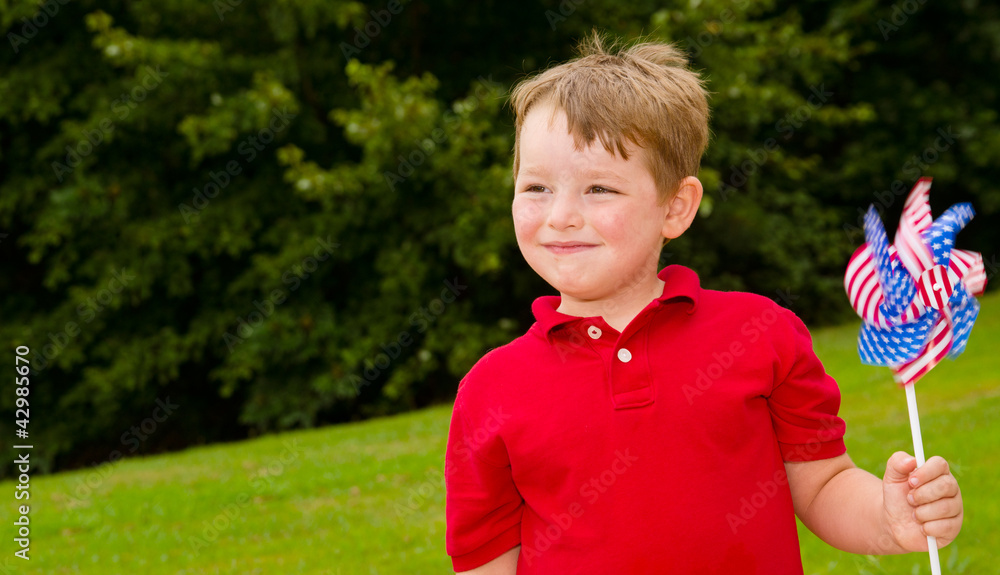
(602, 175)
(592, 174)
(529, 171)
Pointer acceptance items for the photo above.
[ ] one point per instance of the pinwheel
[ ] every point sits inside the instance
(916, 297)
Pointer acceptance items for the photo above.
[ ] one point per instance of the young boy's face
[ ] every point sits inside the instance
(587, 221)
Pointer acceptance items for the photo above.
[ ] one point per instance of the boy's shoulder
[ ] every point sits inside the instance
(502, 367)
(737, 300)
(735, 306)
(744, 312)
(685, 283)
(501, 359)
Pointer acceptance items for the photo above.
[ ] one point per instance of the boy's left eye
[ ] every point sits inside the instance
(602, 190)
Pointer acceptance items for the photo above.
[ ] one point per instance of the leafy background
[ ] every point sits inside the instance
(399, 158)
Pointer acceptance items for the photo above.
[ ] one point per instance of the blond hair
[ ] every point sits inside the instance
(643, 93)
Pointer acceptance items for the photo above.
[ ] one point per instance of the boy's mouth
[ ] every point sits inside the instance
(568, 247)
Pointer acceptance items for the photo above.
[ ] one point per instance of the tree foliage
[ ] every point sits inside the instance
(285, 214)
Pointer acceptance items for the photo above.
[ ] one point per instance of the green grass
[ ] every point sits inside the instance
(367, 497)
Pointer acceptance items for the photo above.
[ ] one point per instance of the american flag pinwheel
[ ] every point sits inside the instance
(916, 297)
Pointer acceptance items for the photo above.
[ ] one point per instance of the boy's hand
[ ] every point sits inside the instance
(921, 502)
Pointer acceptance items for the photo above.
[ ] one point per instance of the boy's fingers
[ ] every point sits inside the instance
(899, 467)
(944, 529)
(941, 509)
(938, 488)
(932, 468)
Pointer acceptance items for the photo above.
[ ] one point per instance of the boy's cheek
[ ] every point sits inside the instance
(526, 211)
(526, 229)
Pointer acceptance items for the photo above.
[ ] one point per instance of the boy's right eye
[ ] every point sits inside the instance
(535, 189)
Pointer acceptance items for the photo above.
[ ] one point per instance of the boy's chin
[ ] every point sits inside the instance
(600, 288)
(578, 292)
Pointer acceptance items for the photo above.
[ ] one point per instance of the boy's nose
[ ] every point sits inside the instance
(564, 211)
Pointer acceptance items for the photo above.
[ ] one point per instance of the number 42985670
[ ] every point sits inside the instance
(22, 386)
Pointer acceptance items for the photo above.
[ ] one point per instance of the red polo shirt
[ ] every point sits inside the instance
(658, 449)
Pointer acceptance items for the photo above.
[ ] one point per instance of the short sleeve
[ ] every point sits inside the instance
(483, 506)
(804, 399)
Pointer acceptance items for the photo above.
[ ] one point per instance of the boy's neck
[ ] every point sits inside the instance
(621, 308)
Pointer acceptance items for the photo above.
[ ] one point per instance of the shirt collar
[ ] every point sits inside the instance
(680, 283)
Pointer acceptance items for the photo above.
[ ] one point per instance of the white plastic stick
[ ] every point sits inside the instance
(918, 451)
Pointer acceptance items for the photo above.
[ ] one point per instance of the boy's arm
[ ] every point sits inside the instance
(505, 564)
(483, 506)
(854, 511)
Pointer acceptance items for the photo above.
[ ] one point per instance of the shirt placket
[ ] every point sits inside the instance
(625, 358)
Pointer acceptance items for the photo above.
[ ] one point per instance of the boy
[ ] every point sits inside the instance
(644, 424)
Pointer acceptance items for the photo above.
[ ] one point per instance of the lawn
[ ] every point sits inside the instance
(369, 498)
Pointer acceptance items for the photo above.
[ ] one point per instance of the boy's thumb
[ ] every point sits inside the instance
(899, 467)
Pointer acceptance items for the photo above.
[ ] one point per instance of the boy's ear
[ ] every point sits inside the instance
(683, 207)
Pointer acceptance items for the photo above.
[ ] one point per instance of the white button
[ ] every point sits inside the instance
(624, 355)
(594, 332)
